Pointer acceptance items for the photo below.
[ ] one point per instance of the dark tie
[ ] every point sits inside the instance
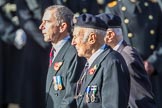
(82, 77)
(51, 55)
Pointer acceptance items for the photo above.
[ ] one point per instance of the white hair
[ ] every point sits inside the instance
(92, 30)
(118, 32)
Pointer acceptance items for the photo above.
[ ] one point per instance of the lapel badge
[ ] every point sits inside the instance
(57, 65)
(92, 70)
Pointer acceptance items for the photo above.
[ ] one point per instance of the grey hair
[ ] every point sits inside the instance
(91, 30)
(118, 32)
(62, 14)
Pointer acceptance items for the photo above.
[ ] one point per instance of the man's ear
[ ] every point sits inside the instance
(92, 38)
(63, 27)
(109, 36)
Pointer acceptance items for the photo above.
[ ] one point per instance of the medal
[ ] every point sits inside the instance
(59, 80)
(88, 89)
(93, 98)
(94, 91)
(55, 84)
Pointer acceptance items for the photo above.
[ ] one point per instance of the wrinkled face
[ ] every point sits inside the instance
(49, 27)
(82, 46)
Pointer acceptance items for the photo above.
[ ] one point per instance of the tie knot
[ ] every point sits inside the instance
(52, 52)
(51, 55)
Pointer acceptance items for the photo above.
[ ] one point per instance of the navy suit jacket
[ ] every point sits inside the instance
(69, 70)
(140, 91)
(112, 80)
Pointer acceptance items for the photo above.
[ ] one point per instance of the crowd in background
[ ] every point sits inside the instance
(24, 56)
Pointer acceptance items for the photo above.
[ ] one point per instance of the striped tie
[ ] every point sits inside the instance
(51, 55)
(80, 81)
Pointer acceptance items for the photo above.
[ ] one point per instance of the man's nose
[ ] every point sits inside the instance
(41, 27)
(73, 42)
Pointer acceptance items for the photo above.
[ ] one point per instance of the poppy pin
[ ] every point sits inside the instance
(57, 65)
(93, 70)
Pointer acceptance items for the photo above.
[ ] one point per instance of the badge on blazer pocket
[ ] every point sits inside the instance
(91, 94)
(58, 83)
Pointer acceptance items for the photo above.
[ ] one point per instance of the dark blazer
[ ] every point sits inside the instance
(111, 78)
(142, 28)
(140, 91)
(69, 70)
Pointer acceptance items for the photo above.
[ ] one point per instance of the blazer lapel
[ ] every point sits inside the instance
(60, 56)
(59, 61)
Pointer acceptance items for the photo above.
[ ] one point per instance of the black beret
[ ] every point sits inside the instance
(89, 21)
(112, 21)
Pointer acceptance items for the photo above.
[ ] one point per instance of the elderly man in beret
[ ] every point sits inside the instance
(142, 28)
(104, 82)
(140, 93)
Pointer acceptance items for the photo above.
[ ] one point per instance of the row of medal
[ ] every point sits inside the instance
(91, 92)
(57, 82)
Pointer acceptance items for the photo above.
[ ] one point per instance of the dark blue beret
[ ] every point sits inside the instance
(112, 21)
(89, 21)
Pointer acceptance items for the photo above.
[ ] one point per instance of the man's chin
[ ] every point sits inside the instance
(46, 40)
(80, 55)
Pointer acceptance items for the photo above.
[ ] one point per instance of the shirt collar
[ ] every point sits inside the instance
(118, 45)
(59, 45)
(96, 54)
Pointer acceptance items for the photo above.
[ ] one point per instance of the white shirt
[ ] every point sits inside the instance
(96, 54)
(59, 45)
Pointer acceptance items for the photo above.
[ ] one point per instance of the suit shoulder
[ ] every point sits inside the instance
(72, 49)
(130, 54)
(71, 52)
(115, 56)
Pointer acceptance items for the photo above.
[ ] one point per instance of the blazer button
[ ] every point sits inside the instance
(126, 21)
(84, 10)
(152, 47)
(152, 32)
(150, 17)
(130, 35)
(123, 8)
(146, 4)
